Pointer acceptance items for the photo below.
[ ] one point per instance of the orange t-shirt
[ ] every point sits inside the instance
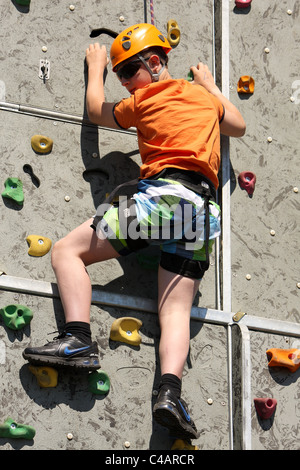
(177, 126)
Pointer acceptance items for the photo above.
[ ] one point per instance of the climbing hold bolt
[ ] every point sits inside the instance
(246, 84)
(14, 190)
(289, 358)
(41, 144)
(38, 245)
(11, 429)
(180, 444)
(243, 3)
(46, 376)
(126, 330)
(16, 317)
(247, 181)
(173, 35)
(265, 407)
(99, 382)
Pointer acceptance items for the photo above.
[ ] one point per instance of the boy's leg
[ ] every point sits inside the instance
(70, 256)
(176, 295)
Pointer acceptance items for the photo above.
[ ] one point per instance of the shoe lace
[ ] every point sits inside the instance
(60, 335)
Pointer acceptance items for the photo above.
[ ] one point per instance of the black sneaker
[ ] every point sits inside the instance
(65, 350)
(173, 413)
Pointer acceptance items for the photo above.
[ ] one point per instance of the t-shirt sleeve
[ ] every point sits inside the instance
(124, 113)
(219, 107)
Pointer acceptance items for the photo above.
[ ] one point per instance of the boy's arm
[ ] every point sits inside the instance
(99, 112)
(233, 123)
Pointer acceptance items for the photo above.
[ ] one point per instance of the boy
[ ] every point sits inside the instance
(178, 126)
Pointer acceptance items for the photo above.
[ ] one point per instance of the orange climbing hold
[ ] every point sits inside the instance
(246, 84)
(126, 330)
(289, 358)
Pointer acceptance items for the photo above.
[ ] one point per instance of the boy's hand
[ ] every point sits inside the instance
(96, 56)
(203, 76)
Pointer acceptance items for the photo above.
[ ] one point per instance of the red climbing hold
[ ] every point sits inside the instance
(243, 3)
(265, 407)
(247, 181)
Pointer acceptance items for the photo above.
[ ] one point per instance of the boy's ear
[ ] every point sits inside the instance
(154, 60)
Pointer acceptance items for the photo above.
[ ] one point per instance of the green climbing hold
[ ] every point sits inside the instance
(99, 383)
(16, 431)
(16, 316)
(14, 190)
(190, 76)
(23, 2)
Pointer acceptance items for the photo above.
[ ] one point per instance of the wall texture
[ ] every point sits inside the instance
(87, 162)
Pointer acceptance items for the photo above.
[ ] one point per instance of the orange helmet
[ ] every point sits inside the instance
(134, 40)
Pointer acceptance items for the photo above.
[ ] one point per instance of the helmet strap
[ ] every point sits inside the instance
(154, 76)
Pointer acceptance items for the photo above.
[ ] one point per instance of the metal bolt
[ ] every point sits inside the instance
(67, 198)
(267, 50)
(69, 436)
(72, 7)
(127, 444)
(248, 277)
(44, 49)
(272, 232)
(210, 401)
(296, 189)
(269, 139)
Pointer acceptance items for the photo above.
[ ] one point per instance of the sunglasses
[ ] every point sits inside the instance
(130, 69)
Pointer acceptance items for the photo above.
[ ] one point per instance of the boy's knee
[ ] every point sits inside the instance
(57, 252)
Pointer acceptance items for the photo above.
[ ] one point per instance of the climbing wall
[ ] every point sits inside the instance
(42, 92)
(62, 188)
(264, 44)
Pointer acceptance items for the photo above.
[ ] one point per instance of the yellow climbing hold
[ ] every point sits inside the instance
(41, 144)
(173, 33)
(126, 330)
(38, 245)
(180, 444)
(46, 376)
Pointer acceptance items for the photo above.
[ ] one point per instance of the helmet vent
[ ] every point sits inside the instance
(126, 45)
(161, 37)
